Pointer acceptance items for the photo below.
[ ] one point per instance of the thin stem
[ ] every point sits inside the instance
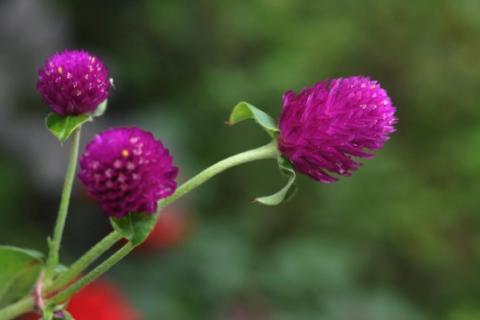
(54, 248)
(81, 264)
(265, 152)
(268, 151)
(25, 304)
(16, 309)
(92, 275)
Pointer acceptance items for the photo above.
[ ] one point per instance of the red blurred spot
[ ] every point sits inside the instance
(172, 228)
(100, 301)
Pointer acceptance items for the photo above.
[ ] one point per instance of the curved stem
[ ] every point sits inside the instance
(16, 309)
(92, 275)
(54, 245)
(81, 264)
(265, 152)
(268, 151)
(27, 303)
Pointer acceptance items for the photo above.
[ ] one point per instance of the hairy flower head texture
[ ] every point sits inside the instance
(73, 82)
(126, 170)
(325, 127)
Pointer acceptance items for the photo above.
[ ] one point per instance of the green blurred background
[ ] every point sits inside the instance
(400, 240)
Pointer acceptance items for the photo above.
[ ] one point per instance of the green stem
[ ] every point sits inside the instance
(81, 264)
(268, 151)
(16, 309)
(54, 245)
(25, 304)
(92, 275)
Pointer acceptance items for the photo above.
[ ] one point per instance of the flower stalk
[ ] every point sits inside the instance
(85, 261)
(54, 245)
(268, 151)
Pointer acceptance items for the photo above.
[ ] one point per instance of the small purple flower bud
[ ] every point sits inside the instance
(126, 170)
(59, 314)
(325, 126)
(73, 82)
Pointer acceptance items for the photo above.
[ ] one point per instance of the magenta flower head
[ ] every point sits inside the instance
(73, 82)
(324, 127)
(126, 170)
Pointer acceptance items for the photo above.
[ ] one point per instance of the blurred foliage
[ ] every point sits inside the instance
(400, 240)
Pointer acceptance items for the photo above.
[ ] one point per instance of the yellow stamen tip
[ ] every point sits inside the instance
(60, 70)
(125, 153)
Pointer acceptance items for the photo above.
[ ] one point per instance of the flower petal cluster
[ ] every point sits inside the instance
(126, 170)
(73, 82)
(325, 127)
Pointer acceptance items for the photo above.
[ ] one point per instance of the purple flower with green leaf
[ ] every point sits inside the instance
(73, 82)
(126, 170)
(325, 127)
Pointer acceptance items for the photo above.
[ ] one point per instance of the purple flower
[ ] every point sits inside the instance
(324, 127)
(127, 170)
(73, 82)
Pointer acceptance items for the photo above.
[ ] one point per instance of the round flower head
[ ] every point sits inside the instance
(73, 82)
(323, 127)
(127, 170)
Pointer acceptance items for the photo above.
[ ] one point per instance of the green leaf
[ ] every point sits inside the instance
(135, 226)
(62, 127)
(287, 191)
(102, 107)
(244, 111)
(19, 270)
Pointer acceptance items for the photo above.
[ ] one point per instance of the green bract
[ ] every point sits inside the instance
(62, 127)
(135, 226)
(244, 111)
(287, 191)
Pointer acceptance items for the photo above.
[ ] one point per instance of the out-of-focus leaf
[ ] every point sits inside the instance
(19, 269)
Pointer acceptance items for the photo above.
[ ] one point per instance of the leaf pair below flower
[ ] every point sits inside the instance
(244, 111)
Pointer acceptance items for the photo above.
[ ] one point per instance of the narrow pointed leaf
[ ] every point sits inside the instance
(244, 111)
(287, 191)
(63, 127)
(135, 226)
(19, 269)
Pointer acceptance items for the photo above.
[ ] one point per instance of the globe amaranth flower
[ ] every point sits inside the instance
(73, 82)
(325, 127)
(127, 170)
